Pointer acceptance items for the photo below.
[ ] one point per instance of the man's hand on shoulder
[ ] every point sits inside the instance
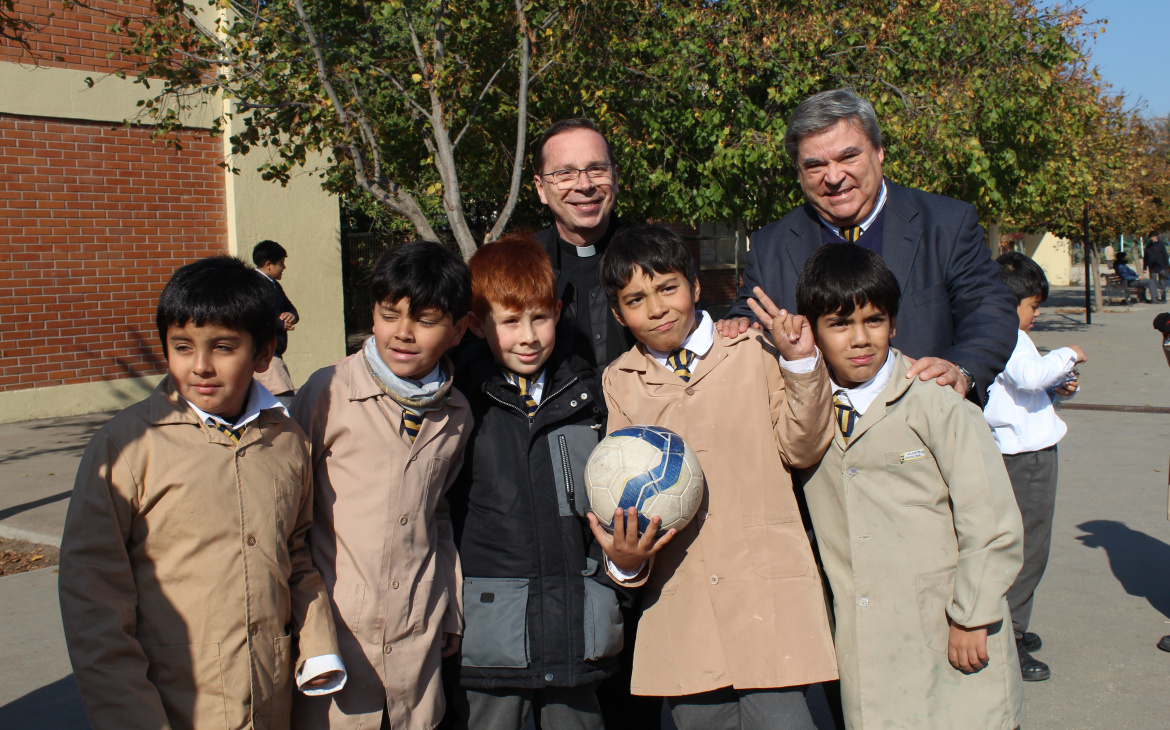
(943, 372)
(735, 326)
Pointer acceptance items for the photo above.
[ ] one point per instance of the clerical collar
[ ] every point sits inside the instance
(579, 251)
(865, 224)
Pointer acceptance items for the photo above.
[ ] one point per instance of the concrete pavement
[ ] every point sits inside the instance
(1101, 608)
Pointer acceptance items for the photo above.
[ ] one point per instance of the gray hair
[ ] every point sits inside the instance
(822, 111)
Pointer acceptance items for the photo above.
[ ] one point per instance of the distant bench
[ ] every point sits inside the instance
(1115, 291)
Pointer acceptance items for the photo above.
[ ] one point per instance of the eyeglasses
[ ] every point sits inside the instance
(567, 178)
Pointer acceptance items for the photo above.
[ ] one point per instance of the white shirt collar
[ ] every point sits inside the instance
(266, 276)
(259, 399)
(863, 395)
(865, 224)
(698, 342)
(432, 377)
(536, 390)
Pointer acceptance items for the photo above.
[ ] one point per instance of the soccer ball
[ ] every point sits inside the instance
(647, 467)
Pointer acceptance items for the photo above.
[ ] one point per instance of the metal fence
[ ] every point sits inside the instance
(359, 252)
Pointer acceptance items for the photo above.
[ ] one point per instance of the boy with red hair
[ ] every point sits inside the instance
(542, 620)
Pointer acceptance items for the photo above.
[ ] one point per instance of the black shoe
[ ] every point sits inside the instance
(1029, 642)
(1164, 644)
(1031, 668)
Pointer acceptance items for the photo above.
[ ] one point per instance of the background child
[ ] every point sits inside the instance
(182, 570)
(387, 432)
(1027, 429)
(270, 259)
(735, 625)
(543, 626)
(915, 520)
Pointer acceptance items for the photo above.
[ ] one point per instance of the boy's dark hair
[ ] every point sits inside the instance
(1023, 276)
(218, 290)
(839, 277)
(427, 273)
(268, 252)
(652, 249)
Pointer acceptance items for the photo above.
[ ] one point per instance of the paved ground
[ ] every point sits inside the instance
(1101, 608)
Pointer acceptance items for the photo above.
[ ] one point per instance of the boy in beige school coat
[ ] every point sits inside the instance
(186, 584)
(915, 518)
(387, 432)
(734, 627)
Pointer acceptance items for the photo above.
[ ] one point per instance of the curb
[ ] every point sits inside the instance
(16, 533)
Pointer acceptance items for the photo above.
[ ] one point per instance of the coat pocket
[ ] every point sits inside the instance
(190, 682)
(348, 599)
(604, 627)
(929, 294)
(495, 616)
(569, 448)
(915, 480)
(935, 591)
(287, 506)
(778, 546)
(282, 681)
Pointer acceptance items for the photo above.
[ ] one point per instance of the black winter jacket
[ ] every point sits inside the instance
(538, 607)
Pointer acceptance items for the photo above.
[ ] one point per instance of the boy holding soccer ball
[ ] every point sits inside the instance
(734, 627)
(915, 519)
(542, 620)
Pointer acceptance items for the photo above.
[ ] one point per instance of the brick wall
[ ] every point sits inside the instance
(75, 38)
(93, 220)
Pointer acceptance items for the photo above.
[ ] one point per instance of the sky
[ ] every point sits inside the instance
(1133, 54)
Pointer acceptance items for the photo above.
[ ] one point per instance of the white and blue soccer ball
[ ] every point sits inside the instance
(647, 467)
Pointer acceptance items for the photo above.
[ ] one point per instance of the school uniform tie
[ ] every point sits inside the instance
(233, 433)
(680, 362)
(846, 415)
(411, 423)
(850, 233)
(524, 384)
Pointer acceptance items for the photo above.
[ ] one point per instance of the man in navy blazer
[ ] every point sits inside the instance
(955, 315)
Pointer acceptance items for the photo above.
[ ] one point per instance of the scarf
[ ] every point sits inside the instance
(409, 394)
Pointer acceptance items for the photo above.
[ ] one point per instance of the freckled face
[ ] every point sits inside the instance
(855, 347)
(659, 309)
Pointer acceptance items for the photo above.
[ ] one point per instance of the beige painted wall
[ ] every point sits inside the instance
(1053, 254)
(302, 217)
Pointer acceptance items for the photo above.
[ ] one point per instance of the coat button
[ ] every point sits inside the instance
(584, 396)
(387, 649)
(572, 404)
(548, 677)
(597, 336)
(714, 579)
(863, 601)
(851, 472)
(251, 540)
(689, 391)
(253, 629)
(402, 520)
(394, 584)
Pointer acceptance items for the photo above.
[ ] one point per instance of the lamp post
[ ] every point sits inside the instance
(1088, 302)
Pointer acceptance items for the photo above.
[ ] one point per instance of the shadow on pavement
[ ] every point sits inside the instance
(1141, 563)
(10, 511)
(57, 705)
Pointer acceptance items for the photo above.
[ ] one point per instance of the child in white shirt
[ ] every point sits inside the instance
(1027, 429)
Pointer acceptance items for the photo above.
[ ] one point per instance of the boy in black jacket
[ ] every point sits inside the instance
(543, 625)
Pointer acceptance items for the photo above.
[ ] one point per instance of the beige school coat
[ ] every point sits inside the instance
(383, 542)
(916, 521)
(186, 584)
(736, 599)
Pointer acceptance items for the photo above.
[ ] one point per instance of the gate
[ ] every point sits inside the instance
(359, 253)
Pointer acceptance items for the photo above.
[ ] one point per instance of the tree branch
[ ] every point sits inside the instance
(521, 126)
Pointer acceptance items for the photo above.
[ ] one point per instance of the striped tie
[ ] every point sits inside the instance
(680, 362)
(846, 415)
(233, 433)
(524, 383)
(850, 233)
(411, 423)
